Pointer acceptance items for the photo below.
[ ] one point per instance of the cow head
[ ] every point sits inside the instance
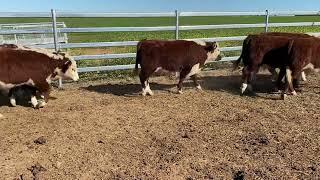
(68, 70)
(213, 51)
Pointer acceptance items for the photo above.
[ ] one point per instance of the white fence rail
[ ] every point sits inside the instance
(176, 28)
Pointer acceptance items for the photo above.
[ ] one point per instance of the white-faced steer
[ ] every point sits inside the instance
(183, 57)
(33, 67)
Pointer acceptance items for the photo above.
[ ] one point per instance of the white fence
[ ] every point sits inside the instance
(31, 39)
(176, 28)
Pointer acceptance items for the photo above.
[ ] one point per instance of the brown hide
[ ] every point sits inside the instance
(170, 55)
(20, 65)
(173, 56)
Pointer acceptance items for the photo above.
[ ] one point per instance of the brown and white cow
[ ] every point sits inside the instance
(304, 54)
(276, 71)
(33, 67)
(269, 51)
(181, 56)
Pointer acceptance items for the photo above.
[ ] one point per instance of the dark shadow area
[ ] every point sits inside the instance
(126, 89)
(230, 84)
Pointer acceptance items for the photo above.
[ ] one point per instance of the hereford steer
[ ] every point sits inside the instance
(276, 73)
(183, 57)
(33, 67)
(304, 54)
(269, 55)
(260, 50)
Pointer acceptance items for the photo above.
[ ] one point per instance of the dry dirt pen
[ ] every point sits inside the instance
(106, 130)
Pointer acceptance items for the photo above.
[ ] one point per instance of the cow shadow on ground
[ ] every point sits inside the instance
(126, 89)
(229, 84)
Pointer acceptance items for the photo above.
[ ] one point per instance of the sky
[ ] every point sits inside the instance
(156, 5)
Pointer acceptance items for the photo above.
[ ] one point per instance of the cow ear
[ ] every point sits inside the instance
(66, 65)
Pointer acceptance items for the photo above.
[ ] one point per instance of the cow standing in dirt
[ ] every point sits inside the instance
(33, 67)
(270, 51)
(304, 54)
(183, 57)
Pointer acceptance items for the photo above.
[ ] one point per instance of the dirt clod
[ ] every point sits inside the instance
(36, 169)
(239, 175)
(41, 140)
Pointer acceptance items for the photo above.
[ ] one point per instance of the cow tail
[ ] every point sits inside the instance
(236, 63)
(245, 45)
(138, 59)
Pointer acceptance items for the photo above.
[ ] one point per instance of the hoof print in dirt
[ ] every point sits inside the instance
(100, 142)
(239, 175)
(185, 135)
(41, 140)
(36, 169)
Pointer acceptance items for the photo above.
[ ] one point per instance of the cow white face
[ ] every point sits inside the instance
(213, 51)
(71, 72)
(68, 71)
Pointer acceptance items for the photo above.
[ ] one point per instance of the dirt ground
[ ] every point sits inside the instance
(106, 130)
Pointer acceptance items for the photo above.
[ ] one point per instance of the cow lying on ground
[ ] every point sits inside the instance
(271, 56)
(33, 67)
(271, 50)
(184, 57)
(24, 92)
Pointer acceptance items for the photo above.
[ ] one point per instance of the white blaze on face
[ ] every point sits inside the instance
(71, 72)
(213, 55)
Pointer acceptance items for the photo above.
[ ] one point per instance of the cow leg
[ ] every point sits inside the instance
(183, 74)
(195, 81)
(280, 79)
(289, 84)
(303, 76)
(44, 92)
(12, 98)
(144, 79)
(246, 80)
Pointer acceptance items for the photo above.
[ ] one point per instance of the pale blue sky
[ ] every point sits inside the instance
(156, 5)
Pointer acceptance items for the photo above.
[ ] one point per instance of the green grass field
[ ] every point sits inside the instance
(144, 22)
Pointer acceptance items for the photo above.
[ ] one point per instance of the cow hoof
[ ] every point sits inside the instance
(180, 92)
(13, 102)
(199, 88)
(284, 96)
(151, 93)
(294, 93)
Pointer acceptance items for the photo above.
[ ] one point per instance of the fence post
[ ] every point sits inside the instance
(266, 21)
(55, 37)
(177, 24)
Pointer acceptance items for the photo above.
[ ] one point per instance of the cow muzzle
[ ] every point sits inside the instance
(219, 57)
